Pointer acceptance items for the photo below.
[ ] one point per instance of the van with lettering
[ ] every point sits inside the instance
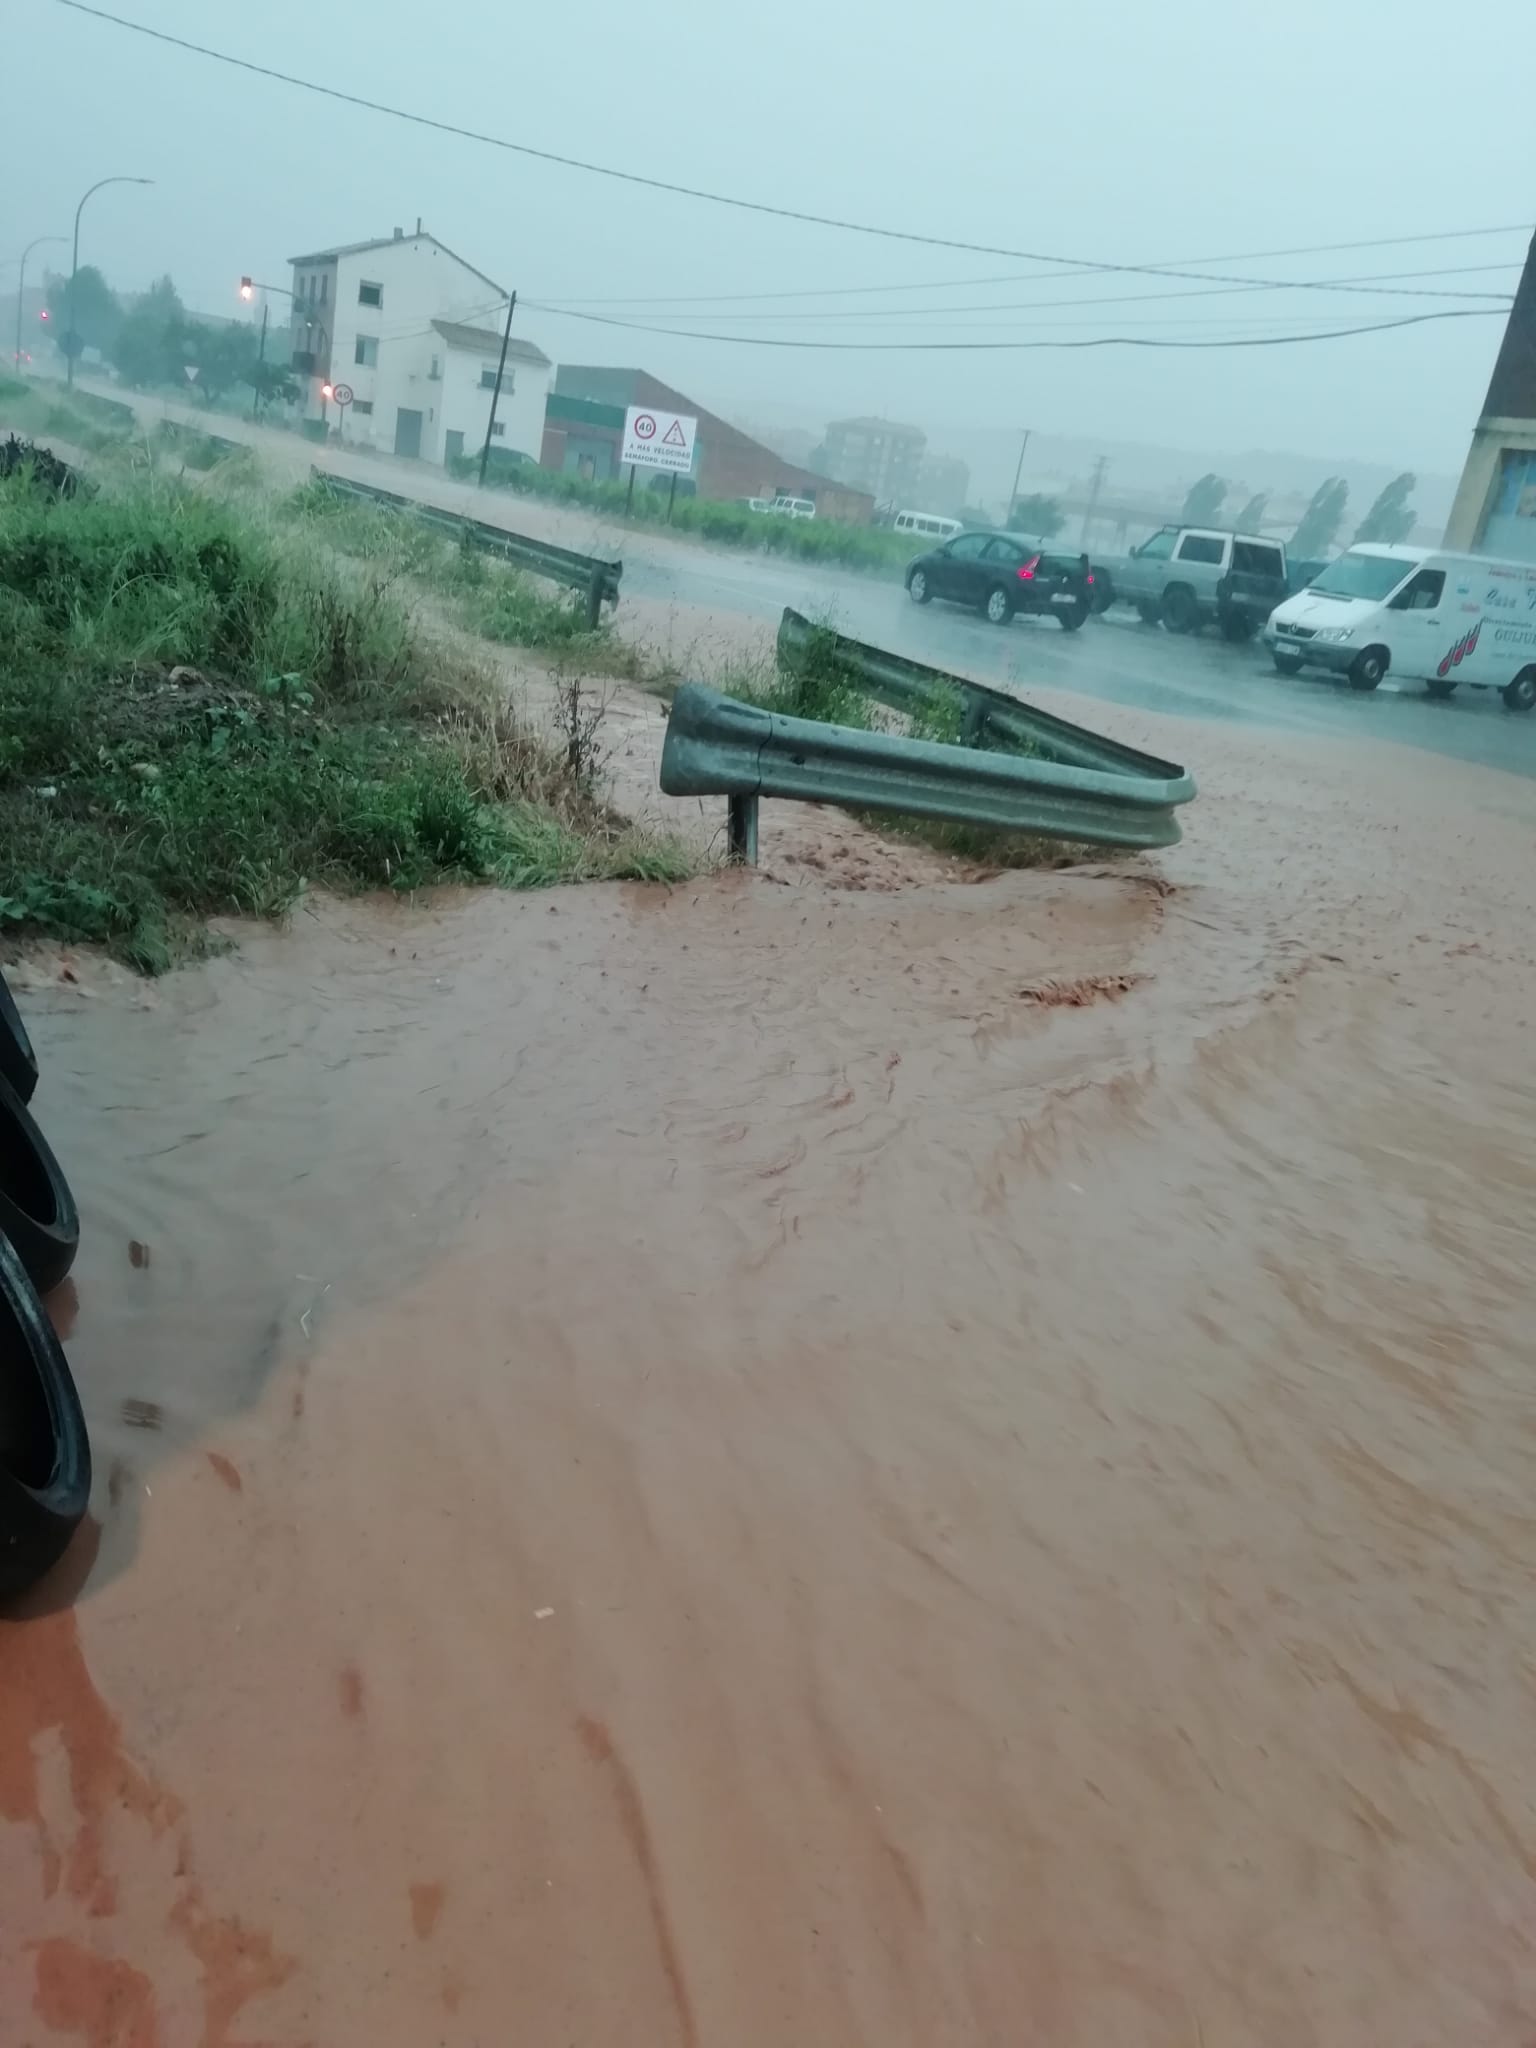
(1418, 614)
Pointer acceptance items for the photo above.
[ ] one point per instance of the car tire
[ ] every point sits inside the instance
(1238, 627)
(918, 588)
(1287, 664)
(998, 605)
(1520, 695)
(1074, 617)
(37, 1210)
(1441, 686)
(1180, 612)
(1368, 668)
(45, 1453)
(1103, 591)
(18, 1062)
(1149, 611)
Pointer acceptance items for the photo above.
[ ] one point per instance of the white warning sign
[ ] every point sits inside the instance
(659, 440)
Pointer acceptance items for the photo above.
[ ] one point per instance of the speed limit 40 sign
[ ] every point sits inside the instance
(342, 394)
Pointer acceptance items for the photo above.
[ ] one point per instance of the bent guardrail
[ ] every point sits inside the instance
(599, 579)
(718, 746)
(990, 718)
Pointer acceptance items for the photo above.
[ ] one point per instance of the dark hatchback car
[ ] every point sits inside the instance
(1004, 573)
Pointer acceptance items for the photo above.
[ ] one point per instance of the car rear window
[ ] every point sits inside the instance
(1064, 565)
(1256, 558)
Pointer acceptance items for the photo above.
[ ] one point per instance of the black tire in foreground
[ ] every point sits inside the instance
(1238, 626)
(37, 1210)
(45, 1454)
(18, 1062)
(1074, 617)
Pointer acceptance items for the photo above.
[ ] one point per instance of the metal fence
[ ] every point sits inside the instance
(597, 578)
(1017, 769)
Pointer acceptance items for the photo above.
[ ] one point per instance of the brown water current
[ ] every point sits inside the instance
(786, 1466)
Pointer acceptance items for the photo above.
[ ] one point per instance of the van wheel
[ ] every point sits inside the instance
(1441, 686)
(1180, 612)
(917, 588)
(999, 606)
(1369, 668)
(1520, 695)
(1288, 664)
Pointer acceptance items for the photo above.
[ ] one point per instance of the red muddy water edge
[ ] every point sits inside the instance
(788, 1464)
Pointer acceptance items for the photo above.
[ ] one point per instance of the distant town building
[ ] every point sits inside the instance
(882, 457)
(584, 436)
(943, 485)
(1494, 512)
(415, 332)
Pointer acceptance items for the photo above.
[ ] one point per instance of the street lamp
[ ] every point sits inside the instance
(249, 287)
(21, 284)
(72, 339)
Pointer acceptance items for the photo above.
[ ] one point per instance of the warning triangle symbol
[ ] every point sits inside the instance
(674, 437)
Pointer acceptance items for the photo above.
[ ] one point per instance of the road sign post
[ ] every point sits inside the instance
(343, 394)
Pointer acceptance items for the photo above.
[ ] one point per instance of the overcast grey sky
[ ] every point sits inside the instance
(1124, 132)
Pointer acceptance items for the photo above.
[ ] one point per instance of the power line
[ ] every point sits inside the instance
(1042, 305)
(758, 206)
(944, 284)
(1093, 341)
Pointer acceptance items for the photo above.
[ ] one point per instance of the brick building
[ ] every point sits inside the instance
(584, 435)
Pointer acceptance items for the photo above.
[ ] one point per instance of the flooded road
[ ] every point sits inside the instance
(772, 1463)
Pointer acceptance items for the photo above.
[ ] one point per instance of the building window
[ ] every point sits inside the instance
(488, 378)
(498, 428)
(367, 351)
(363, 406)
(370, 295)
(325, 285)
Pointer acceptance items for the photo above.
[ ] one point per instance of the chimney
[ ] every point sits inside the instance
(399, 234)
(418, 223)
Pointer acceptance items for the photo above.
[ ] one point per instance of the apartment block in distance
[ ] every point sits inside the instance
(882, 457)
(415, 331)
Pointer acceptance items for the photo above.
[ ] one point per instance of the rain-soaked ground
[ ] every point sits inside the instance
(784, 1466)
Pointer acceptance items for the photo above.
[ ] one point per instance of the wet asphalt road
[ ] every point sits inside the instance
(1114, 658)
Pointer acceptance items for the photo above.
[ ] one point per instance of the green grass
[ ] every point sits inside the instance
(486, 596)
(311, 736)
(874, 548)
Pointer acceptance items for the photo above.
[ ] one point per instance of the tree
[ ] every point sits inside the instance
(96, 313)
(273, 383)
(1037, 514)
(150, 343)
(1203, 500)
(1318, 525)
(223, 355)
(1391, 518)
(1251, 518)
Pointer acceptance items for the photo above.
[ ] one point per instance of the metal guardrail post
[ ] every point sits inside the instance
(741, 830)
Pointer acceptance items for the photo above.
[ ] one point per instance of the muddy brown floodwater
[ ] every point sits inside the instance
(778, 1465)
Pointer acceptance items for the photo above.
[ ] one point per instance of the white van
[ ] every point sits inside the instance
(793, 508)
(928, 524)
(1436, 618)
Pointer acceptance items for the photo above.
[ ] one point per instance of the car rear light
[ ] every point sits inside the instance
(1090, 578)
(1026, 574)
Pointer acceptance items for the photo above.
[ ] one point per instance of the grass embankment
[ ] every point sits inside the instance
(819, 685)
(485, 596)
(874, 548)
(201, 712)
(79, 417)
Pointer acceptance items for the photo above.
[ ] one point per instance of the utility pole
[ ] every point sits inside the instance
(1094, 489)
(490, 425)
(1018, 472)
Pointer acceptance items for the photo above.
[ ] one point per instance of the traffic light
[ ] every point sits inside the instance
(247, 289)
(44, 315)
(327, 390)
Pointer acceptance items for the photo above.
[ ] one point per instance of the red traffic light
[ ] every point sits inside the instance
(44, 314)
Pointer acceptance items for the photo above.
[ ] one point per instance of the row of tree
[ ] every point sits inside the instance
(153, 339)
(1391, 517)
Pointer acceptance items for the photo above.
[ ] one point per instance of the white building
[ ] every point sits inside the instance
(415, 333)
